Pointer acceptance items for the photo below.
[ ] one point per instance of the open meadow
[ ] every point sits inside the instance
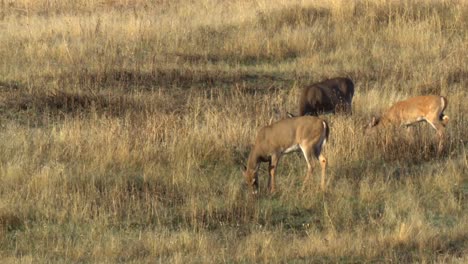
(124, 126)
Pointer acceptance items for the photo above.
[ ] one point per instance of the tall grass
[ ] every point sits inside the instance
(124, 125)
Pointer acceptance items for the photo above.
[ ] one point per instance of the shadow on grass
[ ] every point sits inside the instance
(10, 85)
(10, 221)
(296, 219)
(415, 11)
(59, 103)
(127, 81)
(291, 16)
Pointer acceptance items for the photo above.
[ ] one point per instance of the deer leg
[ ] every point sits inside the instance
(342, 108)
(303, 109)
(440, 145)
(308, 157)
(349, 110)
(255, 184)
(440, 136)
(272, 171)
(440, 130)
(323, 163)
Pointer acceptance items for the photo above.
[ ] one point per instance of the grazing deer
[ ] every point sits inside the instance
(306, 133)
(332, 95)
(429, 108)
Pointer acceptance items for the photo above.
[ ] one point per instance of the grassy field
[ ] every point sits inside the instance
(124, 125)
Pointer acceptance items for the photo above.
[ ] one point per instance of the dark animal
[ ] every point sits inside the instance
(332, 95)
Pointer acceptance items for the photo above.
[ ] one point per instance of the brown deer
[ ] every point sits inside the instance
(429, 108)
(306, 133)
(332, 95)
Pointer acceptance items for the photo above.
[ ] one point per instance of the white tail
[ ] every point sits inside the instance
(306, 133)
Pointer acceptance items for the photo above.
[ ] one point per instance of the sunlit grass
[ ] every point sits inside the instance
(124, 126)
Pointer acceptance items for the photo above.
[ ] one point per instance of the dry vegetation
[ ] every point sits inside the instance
(124, 124)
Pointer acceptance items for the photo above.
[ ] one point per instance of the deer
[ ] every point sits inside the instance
(328, 96)
(308, 134)
(428, 108)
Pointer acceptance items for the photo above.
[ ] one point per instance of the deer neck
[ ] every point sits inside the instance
(253, 161)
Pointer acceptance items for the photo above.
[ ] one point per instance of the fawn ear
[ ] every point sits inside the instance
(289, 115)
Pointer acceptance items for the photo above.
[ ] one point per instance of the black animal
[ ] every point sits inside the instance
(332, 95)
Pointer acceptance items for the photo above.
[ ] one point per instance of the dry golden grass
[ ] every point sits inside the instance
(124, 124)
